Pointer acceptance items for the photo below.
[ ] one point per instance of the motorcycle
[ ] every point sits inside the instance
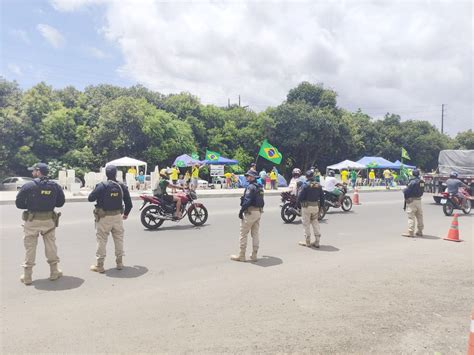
(154, 210)
(331, 200)
(290, 209)
(452, 202)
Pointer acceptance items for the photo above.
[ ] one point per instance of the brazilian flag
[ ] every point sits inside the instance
(405, 154)
(212, 156)
(195, 156)
(269, 152)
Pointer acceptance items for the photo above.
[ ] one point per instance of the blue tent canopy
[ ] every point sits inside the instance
(399, 164)
(185, 160)
(221, 161)
(377, 162)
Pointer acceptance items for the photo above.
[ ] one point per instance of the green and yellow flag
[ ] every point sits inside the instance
(212, 156)
(195, 156)
(405, 154)
(269, 152)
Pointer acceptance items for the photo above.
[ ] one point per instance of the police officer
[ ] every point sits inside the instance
(251, 209)
(311, 197)
(413, 193)
(39, 198)
(109, 215)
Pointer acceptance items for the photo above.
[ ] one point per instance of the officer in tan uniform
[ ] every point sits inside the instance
(39, 198)
(109, 215)
(413, 193)
(251, 209)
(311, 197)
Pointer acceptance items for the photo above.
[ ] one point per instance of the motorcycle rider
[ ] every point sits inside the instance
(295, 181)
(413, 193)
(453, 184)
(330, 186)
(161, 193)
(311, 198)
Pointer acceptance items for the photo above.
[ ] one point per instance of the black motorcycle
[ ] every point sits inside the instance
(331, 200)
(290, 209)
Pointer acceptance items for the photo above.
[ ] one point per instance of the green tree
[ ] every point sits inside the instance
(464, 140)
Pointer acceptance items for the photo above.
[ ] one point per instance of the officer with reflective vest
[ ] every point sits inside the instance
(311, 197)
(251, 209)
(413, 194)
(39, 198)
(109, 215)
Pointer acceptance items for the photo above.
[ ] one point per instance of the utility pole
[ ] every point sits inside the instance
(239, 100)
(228, 103)
(442, 118)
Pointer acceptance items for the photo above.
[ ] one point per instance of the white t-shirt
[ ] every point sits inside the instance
(330, 183)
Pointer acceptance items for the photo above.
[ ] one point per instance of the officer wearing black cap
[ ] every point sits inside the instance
(109, 215)
(311, 197)
(39, 198)
(413, 193)
(251, 209)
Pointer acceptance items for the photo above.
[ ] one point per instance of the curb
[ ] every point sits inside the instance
(200, 196)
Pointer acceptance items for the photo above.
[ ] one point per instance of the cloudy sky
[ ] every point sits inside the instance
(406, 57)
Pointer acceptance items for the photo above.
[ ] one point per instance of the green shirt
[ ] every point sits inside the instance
(163, 185)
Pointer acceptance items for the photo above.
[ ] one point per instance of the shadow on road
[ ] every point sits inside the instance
(175, 227)
(326, 248)
(266, 261)
(339, 212)
(425, 236)
(128, 272)
(62, 284)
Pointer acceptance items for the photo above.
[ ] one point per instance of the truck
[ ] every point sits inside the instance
(460, 161)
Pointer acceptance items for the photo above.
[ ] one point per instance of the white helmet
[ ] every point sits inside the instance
(296, 171)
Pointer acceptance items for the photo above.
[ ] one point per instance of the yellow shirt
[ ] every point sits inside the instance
(344, 174)
(371, 175)
(387, 174)
(273, 175)
(132, 171)
(174, 174)
(228, 175)
(195, 173)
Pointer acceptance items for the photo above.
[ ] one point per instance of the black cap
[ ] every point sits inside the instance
(42, 167)
(309, 174)
(252, 173)
(416, 172)
(111, 171)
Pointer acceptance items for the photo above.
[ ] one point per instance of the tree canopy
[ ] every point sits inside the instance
(85, 129)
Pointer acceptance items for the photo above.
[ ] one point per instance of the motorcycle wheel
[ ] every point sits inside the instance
(466, 209)
(198, 215)
(287, 217)
(148, 218)
(347, 203)
(448, 208)
(322, 213)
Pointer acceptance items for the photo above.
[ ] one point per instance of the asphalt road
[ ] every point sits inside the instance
(366, 290)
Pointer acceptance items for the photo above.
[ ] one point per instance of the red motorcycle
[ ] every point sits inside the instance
(452, 202)
(156, 210)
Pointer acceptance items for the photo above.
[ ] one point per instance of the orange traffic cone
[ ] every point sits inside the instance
(470, 347)
(453, 234)
(356, 197)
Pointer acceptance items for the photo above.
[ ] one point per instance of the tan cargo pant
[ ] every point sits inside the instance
(105, 226)
(250, 223)
(310, 218)
(414, 211)
(33, 229)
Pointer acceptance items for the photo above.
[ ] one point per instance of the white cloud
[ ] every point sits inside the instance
(22, 35)
(52, 35)
(405, 57)
(96, 52)
(15, 69)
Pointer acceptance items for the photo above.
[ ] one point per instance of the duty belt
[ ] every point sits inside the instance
(253, 208)
(102, 212)
(309, 203)
(40, 215)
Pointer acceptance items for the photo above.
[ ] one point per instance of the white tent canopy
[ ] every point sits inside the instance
(346, 164)
(127, 161)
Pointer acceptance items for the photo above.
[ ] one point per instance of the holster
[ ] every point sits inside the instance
(98, 214)
(56, 216)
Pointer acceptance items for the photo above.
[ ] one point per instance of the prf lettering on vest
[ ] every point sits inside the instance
(114, 194)
(45, 192)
